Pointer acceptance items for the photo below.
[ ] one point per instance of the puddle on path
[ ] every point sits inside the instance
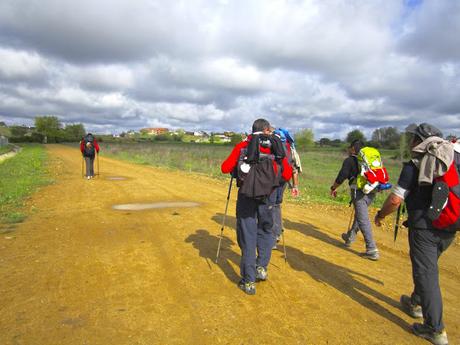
(156, 205)
(116, 178)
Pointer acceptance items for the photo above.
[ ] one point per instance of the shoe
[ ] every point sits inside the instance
(88, 177)
(274, 247)
(372, 255)
(346, 239)
(410, 309)
(261, 273)
(425, 332)
(249, 287)
(278, 239)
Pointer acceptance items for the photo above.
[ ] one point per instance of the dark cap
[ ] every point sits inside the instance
(357, 145)
(424, 130)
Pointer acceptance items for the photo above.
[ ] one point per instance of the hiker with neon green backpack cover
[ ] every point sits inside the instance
(353, 169)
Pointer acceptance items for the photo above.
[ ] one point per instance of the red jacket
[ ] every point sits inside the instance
(231, 162)
(82, 145)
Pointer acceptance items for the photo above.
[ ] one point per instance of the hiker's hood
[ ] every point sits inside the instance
(433, 157)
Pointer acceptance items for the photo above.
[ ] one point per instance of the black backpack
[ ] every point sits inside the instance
(88, 142)
(255, 172)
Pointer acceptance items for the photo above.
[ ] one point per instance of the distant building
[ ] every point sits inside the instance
(154, 131)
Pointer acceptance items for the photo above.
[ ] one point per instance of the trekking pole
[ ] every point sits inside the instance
(352, 214)
(223, 220)
(284, 243)
(97, 154)
(400, 212)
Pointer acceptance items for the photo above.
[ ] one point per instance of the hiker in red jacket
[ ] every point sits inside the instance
(253, 213)
(89, 147)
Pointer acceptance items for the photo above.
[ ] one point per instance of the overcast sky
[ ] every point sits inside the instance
(329, 65)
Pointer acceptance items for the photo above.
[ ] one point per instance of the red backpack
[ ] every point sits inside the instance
(444, 210)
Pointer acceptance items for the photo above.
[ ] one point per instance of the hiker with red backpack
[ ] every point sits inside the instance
(259, 164)
(89, 148)
(429, 185)
(361, 201)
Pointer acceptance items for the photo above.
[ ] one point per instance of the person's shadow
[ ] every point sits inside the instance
(230, 221)
(312, 231)
(207, 244)
(342, 279)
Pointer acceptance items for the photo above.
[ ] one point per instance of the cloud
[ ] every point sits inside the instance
(217, 65)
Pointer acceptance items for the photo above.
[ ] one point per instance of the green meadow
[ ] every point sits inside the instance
(20, 176)
(320, 165)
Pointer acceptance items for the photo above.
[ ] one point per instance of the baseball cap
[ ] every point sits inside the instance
(424, 130)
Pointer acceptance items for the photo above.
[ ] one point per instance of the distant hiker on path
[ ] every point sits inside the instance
(294, 162)
(430, 234)
(89, 147)
(361, 202)
(259, 164)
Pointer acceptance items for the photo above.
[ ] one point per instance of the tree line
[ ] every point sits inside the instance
(47, 129)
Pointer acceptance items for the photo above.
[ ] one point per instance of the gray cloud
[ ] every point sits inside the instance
(331, 66)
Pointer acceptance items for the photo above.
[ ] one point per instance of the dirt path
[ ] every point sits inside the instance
(79, 272)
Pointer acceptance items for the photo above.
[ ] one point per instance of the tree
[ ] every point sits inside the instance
(49, 126)
(305, 138)
(355, 134)
(236, 138)
(74, 132)
(324, 142)
(388, 137)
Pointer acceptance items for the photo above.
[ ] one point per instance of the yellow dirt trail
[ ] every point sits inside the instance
(78, 271)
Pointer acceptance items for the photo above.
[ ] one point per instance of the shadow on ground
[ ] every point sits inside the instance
(343, 280)
(207, 244)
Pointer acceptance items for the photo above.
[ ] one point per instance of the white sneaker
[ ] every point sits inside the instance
(261, 273)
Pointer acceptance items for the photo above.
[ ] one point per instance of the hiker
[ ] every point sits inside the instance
(258, 163)
(426, 242)
(294, 161)
(89, 147)
(361, 202)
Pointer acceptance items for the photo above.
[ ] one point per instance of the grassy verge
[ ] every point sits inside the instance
(20, 176)
(320, 166)
(5, 149)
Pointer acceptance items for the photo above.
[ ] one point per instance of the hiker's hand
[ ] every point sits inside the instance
(378, 219)
(333, 192)
(295, 192)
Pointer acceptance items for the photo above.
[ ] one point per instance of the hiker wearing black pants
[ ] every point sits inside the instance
(426, 243)
(361, 202)
(89, 147)
(254, 215)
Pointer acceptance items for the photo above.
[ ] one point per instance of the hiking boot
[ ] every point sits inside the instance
(248, 287)
(261, 273)
(346, 239)
(425, 332)
(372, 254)
(410, 309)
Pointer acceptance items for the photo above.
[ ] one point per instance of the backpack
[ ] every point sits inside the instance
(373, 174)
(88, 142)
(444, 211)
(291, 152)
(255, 170)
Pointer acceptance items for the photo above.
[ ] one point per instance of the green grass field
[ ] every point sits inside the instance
(320, 166)
(20, 176)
